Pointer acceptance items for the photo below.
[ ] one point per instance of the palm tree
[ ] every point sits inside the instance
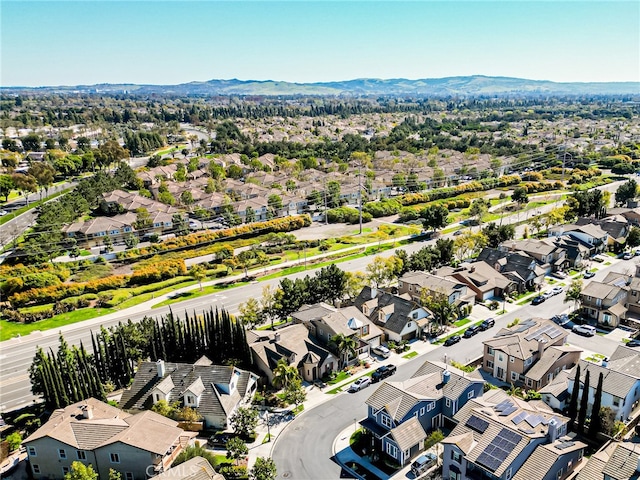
(515, 391)
(284, 373)
(346, 347)
(443, 311)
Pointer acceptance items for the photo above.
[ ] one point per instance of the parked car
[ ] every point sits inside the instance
(559, 274)
(598, 258)
(3, 213)
(557, 290)
(632, 343)
(546, 295)
(361, 383)
(220, 439)
(383, 372)
(381, 350)
(589, 274)
(636, 252)
(586, 330)
(423, 463)
(538, 300)
(628, 256)
(471, 331)
(452, 340)
(487, 324)
(561, 319)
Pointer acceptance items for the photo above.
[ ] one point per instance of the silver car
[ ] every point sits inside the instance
(362, 382)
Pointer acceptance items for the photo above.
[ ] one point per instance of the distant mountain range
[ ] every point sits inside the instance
(476, 85)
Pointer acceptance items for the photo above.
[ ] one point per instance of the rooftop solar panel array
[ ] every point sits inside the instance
(499, 449)
(478, 424)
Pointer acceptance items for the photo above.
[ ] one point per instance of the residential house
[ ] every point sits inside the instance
(589, 235)
(400, 414)
(575, 251)
(482, 279)
(620, 384)
(549, 256)
(399, 317)
(605, 302)
(297, 346)
(630, 215)
(518, 267)
(95, 433)
(614, 461)
(417, 284)
(502, 437)
(616, 229)
(196, 468)
(325, 321)
(215, 391)
(555, 393)
(532, 353)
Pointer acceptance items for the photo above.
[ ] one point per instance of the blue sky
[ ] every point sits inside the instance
(167, 42)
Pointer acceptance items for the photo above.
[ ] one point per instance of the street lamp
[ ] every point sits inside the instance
(266, 414)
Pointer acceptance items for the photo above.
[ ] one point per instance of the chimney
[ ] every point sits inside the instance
(446, 376)
(161, 368)
(541, 343)
(605, 362)
(87, 412)
(374, 292)
(553, 430)
(276, 337)
(472, 269)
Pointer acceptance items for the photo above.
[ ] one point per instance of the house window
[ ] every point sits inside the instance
(365, 330)
(190, 400)
(508, 476)
(470, 394)
(616, 401)
(454, 476)
(514, 375)
(128, 475)
(365, 309)
(32, 452)
(529, 382)
(455, 456)
(431, 406)
(65, 470)
(409, 324)
(512, 359)
(385, 420)
(36, 468)
(448, 402)
(62, 454)
(82, 455)
(528, 361)
(392, 450)
(422, 411)
(414, 315)
(489, 350)
(489, 364)
(114, 457)
(500, 357)
(559, 474)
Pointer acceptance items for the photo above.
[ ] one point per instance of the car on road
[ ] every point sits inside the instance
(586, 330)
(359, 384)
(219, 439)
(471, 331)
(458, 232)
(627, 256)
(423, 463)
(538, 300)
(3, 213)
(598, 258)
(559, 274)
(381, 350)
(487, 324)
(383, 372)
(547, 295)
(589, 274)
(557, 290)
(632, 343)
(452, 340)
(561, 319)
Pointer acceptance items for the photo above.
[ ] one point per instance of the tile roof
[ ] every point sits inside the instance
(614, 382)
(398, 308)
(196, 468)
(458, 382)
(624, 462)
(538, 464)
(211, 380)
(408, 434)
(550, 356)
(146, 430)
(603, 291)
(518, 342)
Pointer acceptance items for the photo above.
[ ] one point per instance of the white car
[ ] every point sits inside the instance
(3, 213)
(557, 290)
(362, 382)
(627, 256)
(586, 330)
(381, 350)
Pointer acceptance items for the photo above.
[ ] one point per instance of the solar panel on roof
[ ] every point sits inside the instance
(533, 420)
(477, 424)
(563, 445)
(502, 405)
(518, 418)
(499, 449)
(528, 431)
(554, 333)
(508, 411)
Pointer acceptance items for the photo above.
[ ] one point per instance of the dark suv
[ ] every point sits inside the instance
(383, 372)
(220, 439)
(471, 331)
(487, 324)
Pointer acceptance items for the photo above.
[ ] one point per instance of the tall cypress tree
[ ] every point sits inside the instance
(584, 402)
(595, 426)
(573, 403)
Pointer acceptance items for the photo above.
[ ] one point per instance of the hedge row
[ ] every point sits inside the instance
(285, 224)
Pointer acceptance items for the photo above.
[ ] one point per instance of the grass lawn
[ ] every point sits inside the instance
(11, 329)
(339, 378)
(462, 322)
(410, 355)
(298, 410)
(268, 326)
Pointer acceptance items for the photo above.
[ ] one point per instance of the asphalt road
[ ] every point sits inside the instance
(304, 448)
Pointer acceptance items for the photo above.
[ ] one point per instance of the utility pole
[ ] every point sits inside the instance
(360, 196)
(324, 188)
